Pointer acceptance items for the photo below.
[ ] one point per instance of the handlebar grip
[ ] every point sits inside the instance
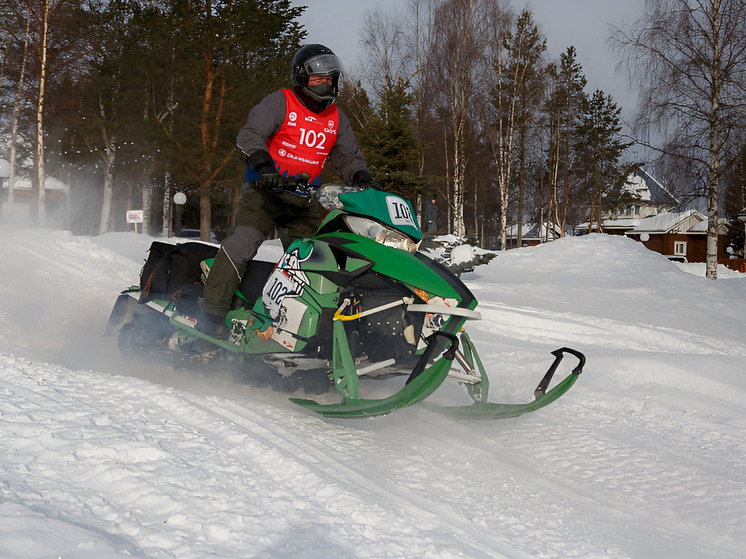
(300, 183)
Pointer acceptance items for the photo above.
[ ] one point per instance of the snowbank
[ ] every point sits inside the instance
(644, 457)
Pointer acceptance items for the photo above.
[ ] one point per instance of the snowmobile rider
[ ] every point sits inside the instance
(290, 132)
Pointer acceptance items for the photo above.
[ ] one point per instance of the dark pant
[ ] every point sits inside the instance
(259, 213)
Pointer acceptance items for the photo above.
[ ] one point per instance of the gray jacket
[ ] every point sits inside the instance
(267, 117)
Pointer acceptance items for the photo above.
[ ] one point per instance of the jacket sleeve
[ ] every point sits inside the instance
(345, 155)
(264, 120)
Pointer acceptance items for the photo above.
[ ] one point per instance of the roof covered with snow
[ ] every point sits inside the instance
(534, 231)
(619, 223)
(643, 186)
(670, 222)
(50, 183)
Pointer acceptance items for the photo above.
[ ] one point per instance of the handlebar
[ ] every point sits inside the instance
(298, 185)
(301, 193)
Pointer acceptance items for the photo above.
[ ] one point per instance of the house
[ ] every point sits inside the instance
(532, 234)
(57, 195)
(638, 197)
(644, 210)
(679, 235)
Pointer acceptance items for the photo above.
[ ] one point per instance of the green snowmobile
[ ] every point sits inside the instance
(355, 301)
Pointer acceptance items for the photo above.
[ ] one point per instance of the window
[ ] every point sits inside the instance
(679, 248)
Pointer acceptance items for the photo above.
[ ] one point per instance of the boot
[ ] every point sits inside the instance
(212, 324)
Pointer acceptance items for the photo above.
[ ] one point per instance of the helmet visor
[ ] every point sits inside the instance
(322, 65)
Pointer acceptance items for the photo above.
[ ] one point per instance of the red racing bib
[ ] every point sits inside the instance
(305, 138)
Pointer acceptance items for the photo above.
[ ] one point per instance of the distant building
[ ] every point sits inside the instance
(532, 234)
(680, 235)
(644, 210)
(639, 197)
(57, 193)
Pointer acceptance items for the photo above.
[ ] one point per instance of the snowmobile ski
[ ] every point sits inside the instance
(422, 382)
(493, 410)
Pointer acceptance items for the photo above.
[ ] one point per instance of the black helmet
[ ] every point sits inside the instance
(317, 60)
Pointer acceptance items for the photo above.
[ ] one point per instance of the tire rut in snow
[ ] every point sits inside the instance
(324, 466)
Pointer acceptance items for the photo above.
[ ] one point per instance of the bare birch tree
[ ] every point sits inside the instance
(39, 176)
(689, 57)
(47, 50)
(399, 46)
(386, 50)
(553, 130)
(461, 28)
(504, 88)
(17, 114)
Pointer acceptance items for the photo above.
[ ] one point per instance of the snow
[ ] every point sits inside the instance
(645, 457)
(462, 254)
(637, 186)
(676, 222)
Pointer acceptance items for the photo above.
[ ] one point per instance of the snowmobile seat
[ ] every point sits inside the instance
(169, 267)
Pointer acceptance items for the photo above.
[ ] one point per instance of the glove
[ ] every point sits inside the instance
(364, 180)
(270, 179)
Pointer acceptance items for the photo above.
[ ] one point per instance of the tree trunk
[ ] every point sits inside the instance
(108, 163)
(205, 216)
(552, 209)
(566, 171)
(147, 207)
(713, 178)
(521, 179)
(459, 172)
(712, 196)
(504, 219)
(40, 173)
(167, 205)
(600, 202)
(449, 204)
(16, 116)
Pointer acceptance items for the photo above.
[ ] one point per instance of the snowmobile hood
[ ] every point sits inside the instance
(386, 207)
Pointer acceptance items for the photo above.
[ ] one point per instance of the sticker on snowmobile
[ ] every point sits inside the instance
(237, 331)
(434, 322)
(328, 195)
(288, 323)
(280, 294)
(287, 279)
(399, 211)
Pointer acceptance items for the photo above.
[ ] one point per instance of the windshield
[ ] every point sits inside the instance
(380, 233)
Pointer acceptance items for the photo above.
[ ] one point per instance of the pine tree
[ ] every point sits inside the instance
(227, 56)
(526, 47)
(599, 147)
(570, 100)
(390, 144)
